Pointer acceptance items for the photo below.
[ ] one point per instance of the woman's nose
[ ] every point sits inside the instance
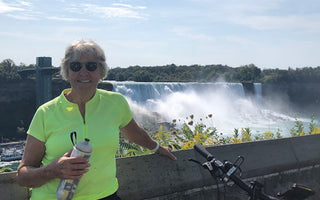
(83, 69)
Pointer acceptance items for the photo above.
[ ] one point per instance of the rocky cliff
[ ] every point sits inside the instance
(303, 97)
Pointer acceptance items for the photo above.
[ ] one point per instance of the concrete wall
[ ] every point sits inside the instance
(9, 190)
(276, 163)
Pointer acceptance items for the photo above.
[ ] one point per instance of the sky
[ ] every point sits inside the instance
(267, 33)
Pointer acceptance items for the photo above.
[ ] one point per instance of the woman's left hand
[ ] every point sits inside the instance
(166, 151)
(139, 136)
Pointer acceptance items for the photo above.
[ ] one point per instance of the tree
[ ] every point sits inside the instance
(8, 71)
(249, 73)
(142, 76)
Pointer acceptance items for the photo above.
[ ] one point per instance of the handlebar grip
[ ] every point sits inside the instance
(203, 151)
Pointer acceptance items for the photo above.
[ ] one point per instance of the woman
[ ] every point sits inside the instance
(92, 113)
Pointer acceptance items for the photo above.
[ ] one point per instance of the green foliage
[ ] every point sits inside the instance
(8, 71)
(297, 129)
(191, 73)
(212, 73)
(278, 134)
(171, 73)
(5, 169)
(249, 73)
(169, 139)
(187, 132)
(265, 136)
(306, 74)
(191, 133)
(246, 135)
(127, 149)
(312, 125)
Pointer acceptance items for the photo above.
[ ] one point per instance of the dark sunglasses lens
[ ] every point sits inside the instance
(91, 66)
(75, 66)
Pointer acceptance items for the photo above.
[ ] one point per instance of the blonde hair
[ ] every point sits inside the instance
(81, 49)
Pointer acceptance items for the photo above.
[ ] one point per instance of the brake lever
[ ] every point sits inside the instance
(206, 165)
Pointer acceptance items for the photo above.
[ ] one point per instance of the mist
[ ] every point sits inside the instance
(228, 104)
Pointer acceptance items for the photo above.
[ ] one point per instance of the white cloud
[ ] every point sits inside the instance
(136, 44)
(309, 23)
(21, 10)
(240, 40)
(25, 3)
(251, 6)
(7, 8)
(68, 19)
(117, 11)
(187, 32)
(268, 15)
(71, 30)
(22, 16)
(129, 6)
(20, 35)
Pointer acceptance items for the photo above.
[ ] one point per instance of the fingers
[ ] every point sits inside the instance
(70, 167)
(78, 160)
(166, 151)
(171, 156)
(74, 172)
(68, 153)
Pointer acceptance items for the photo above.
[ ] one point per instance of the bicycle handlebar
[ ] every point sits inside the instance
(203, 151)
(219, 165)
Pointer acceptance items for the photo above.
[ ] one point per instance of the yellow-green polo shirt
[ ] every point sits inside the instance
(52, 124)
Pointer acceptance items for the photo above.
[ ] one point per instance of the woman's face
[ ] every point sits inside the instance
(82, 74)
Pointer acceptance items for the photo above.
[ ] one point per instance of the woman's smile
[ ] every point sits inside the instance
(84, 81)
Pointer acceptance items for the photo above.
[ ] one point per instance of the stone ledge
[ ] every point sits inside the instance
(276, 163)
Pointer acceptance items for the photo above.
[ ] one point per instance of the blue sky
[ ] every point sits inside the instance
(267, 33)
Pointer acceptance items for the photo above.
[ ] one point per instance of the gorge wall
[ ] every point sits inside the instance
(305, 96)
(18, 105)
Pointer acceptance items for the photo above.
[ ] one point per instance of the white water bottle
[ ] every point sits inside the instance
(67, 187)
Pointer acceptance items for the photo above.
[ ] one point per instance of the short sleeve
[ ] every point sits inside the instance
(36, 128)
(126, 112)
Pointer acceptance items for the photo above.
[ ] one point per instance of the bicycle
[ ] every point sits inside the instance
(225, 171)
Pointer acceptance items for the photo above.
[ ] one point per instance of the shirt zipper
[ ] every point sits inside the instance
(84, 122)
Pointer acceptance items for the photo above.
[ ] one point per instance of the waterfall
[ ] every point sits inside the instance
(142, 92)
(230, 106)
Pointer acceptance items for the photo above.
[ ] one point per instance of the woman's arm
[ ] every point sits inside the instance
(32, 174)
(139, 136)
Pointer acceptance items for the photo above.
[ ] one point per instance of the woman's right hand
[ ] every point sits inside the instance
(32, 174)
(67, 167)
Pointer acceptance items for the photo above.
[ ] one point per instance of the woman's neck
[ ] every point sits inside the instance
(79, 98)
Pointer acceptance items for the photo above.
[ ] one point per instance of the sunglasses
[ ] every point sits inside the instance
(90, 66)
